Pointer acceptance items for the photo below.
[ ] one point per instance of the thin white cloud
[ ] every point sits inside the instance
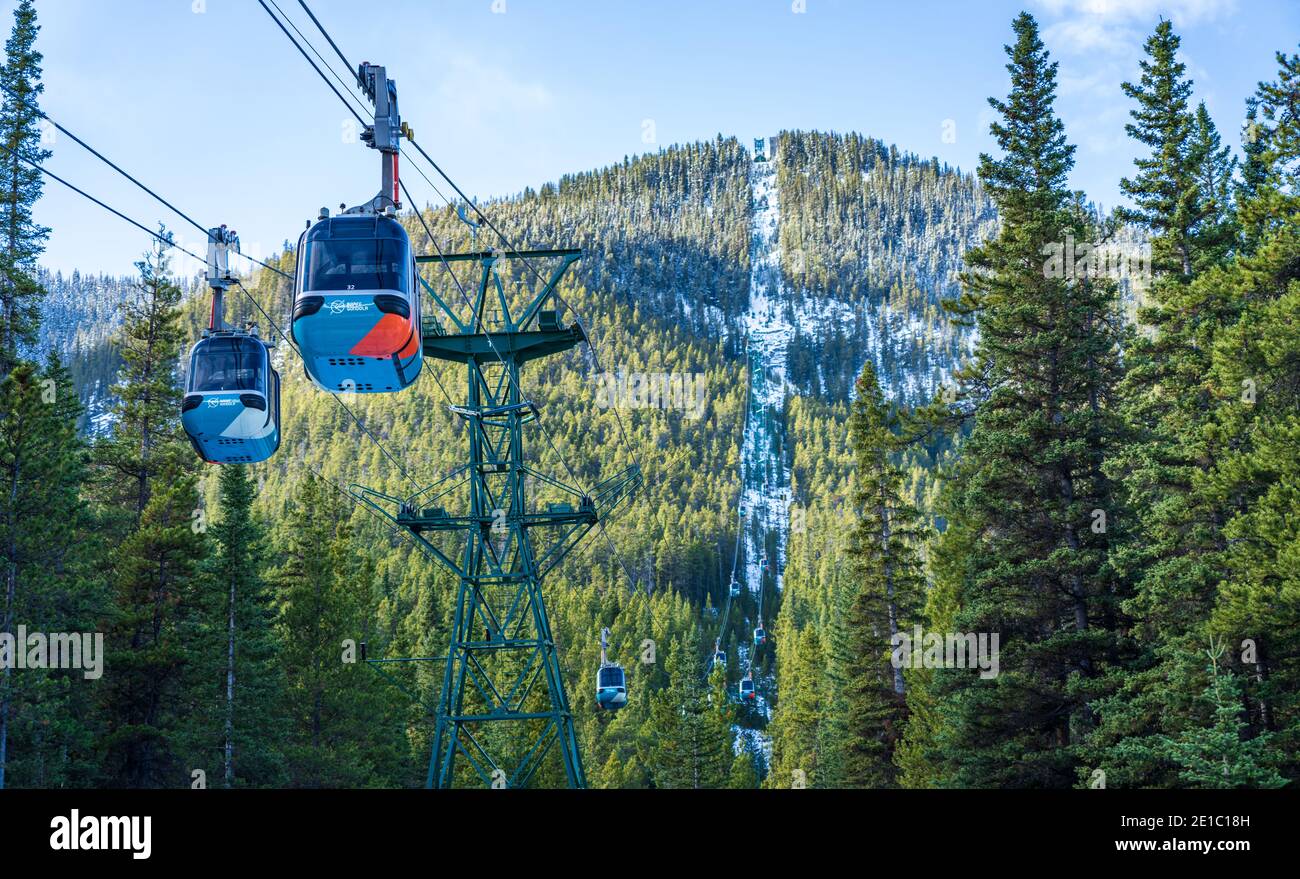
(1184, 12)
(1086, 35)
(1116, 26)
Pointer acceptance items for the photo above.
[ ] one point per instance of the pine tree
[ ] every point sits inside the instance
(74, 597)
(41, 463)
(237, 675)
(154, 583)
(151, 509)
(1215, 234)
(147, 441)
(799, 736)
(1030, 487)
(890, 586)
(744, 772)
(918, 755)
(1218, 755)
(1255, 480)
(20, 139)
(1174, 559)
(342, 729)
(690, 723)
(1164, 191)
(49, 585)
(1267, 193)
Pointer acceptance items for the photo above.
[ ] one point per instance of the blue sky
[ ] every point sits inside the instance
(206, 100)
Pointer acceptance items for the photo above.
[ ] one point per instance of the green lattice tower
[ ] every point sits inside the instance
(502, 705)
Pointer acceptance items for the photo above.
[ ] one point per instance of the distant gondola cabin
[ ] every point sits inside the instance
(611, 687)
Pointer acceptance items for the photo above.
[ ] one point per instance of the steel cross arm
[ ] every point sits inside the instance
(410, 659)
(610, 494)
(489, 257)
(443, 522)
(501, 644)
(562, 547)
(505, 579)
(494, 411)
(369, 496)
(364, 495)
(439, 555)
(487, 422)
(488, 348)
(481, 255)
(446, 309)
(530, 715)
(584, 514)
(405, 507)
(438, 519)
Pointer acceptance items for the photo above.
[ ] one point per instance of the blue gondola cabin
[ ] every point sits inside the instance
(611, 687)
(231, 408)
(356, 308)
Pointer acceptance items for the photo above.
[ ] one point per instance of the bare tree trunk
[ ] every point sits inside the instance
(11, 574)
(1265, 712)
(10, 593)
(230, 688)
(885, 533)
(11, 597)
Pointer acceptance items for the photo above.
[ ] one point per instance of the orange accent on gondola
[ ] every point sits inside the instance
(411, 347)
(387, 336)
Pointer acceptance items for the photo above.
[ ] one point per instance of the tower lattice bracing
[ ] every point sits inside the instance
(502, 711)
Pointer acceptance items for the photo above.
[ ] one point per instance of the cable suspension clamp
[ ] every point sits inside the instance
(384, 134)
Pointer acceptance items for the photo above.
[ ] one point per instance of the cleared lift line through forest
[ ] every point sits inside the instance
(765, 486)
(763, 498)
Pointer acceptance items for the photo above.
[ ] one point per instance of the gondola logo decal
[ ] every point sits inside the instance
(339, 306)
